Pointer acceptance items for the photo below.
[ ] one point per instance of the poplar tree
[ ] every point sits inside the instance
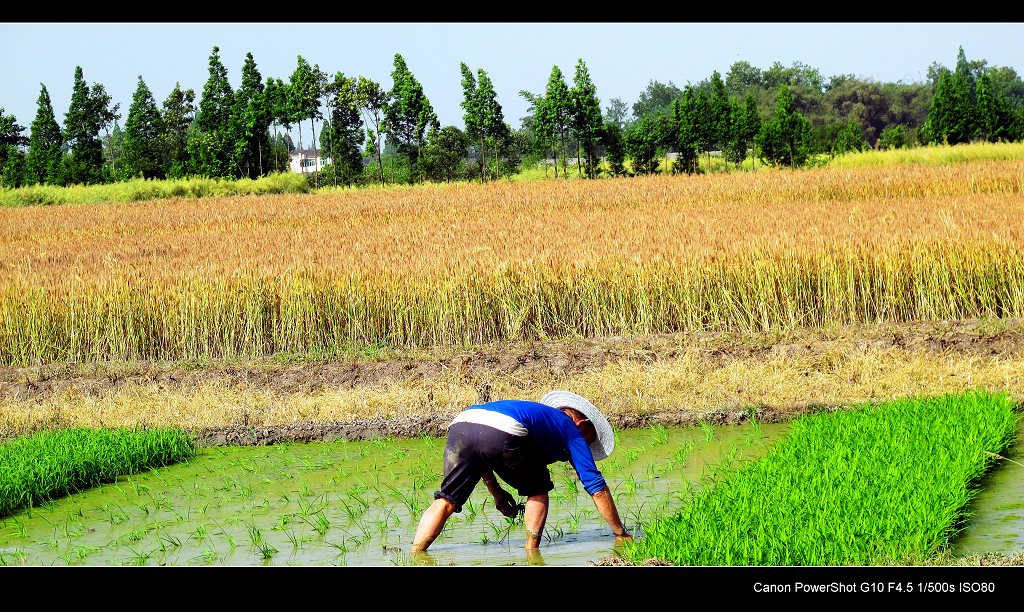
(10, 135)
(177, 117)
(642, 145)
(89, 112)
(113, 145)
(276, 92)
(557, 109)
(543, 128)
(142, 150)
(612, 137)
(373, 102)
(303, 96)
(44, 163)
(490, 116)
(587, 119)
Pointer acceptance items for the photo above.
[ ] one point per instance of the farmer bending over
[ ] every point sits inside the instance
(517, 440)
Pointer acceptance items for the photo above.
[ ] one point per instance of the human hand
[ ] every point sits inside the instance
(506, 504)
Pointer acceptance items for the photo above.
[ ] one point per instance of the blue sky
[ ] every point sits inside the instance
(622, 57)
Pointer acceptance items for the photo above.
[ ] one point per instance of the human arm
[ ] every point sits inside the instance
(606, 507)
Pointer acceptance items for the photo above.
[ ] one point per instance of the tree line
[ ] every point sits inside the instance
(780, 116)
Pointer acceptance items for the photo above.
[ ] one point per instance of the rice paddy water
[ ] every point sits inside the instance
(358, 503)
(996, 522)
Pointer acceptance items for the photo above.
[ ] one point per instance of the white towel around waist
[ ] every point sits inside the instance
(497, 420)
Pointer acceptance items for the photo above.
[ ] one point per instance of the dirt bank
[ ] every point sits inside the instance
(672, 379)
(526, 360)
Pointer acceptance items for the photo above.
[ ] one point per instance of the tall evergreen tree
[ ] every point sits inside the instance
(211, 144)
(748, 126)
(786, 139)
(90, 112)
(703, 123)
(342, 136)
(252, 116)
(471, 115)
(587, 119)
(177, 117)
(688, 114)
(410, 115)
(44, 162)
(721, 118)
(143, 131)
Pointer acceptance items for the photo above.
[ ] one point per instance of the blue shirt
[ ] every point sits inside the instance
(555, 436)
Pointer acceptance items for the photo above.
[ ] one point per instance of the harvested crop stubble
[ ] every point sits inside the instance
(49, 464)
(471, 263)
(879, 484)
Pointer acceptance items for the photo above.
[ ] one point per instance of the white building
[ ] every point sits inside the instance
(306, 160)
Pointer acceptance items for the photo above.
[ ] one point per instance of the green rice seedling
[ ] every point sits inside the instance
(471, 510)
(208, 556)
(709, 432)
(226, 534)
(631, 485)
(82, 551)
(660, 434)
(340, 547)
(199, 532)
(49, 464)
(138, 558)
(19, 527)
(319, 523)
(554, 532)
(294, 539)
(171, 540)
(881, 484)
(258, 542)
(571, 488)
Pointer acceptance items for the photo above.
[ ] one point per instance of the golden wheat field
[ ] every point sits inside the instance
(461, 264)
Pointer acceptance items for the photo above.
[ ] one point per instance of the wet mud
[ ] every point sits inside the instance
(437, 424)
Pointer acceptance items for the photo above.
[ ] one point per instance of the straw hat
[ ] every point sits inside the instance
(604, 443)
